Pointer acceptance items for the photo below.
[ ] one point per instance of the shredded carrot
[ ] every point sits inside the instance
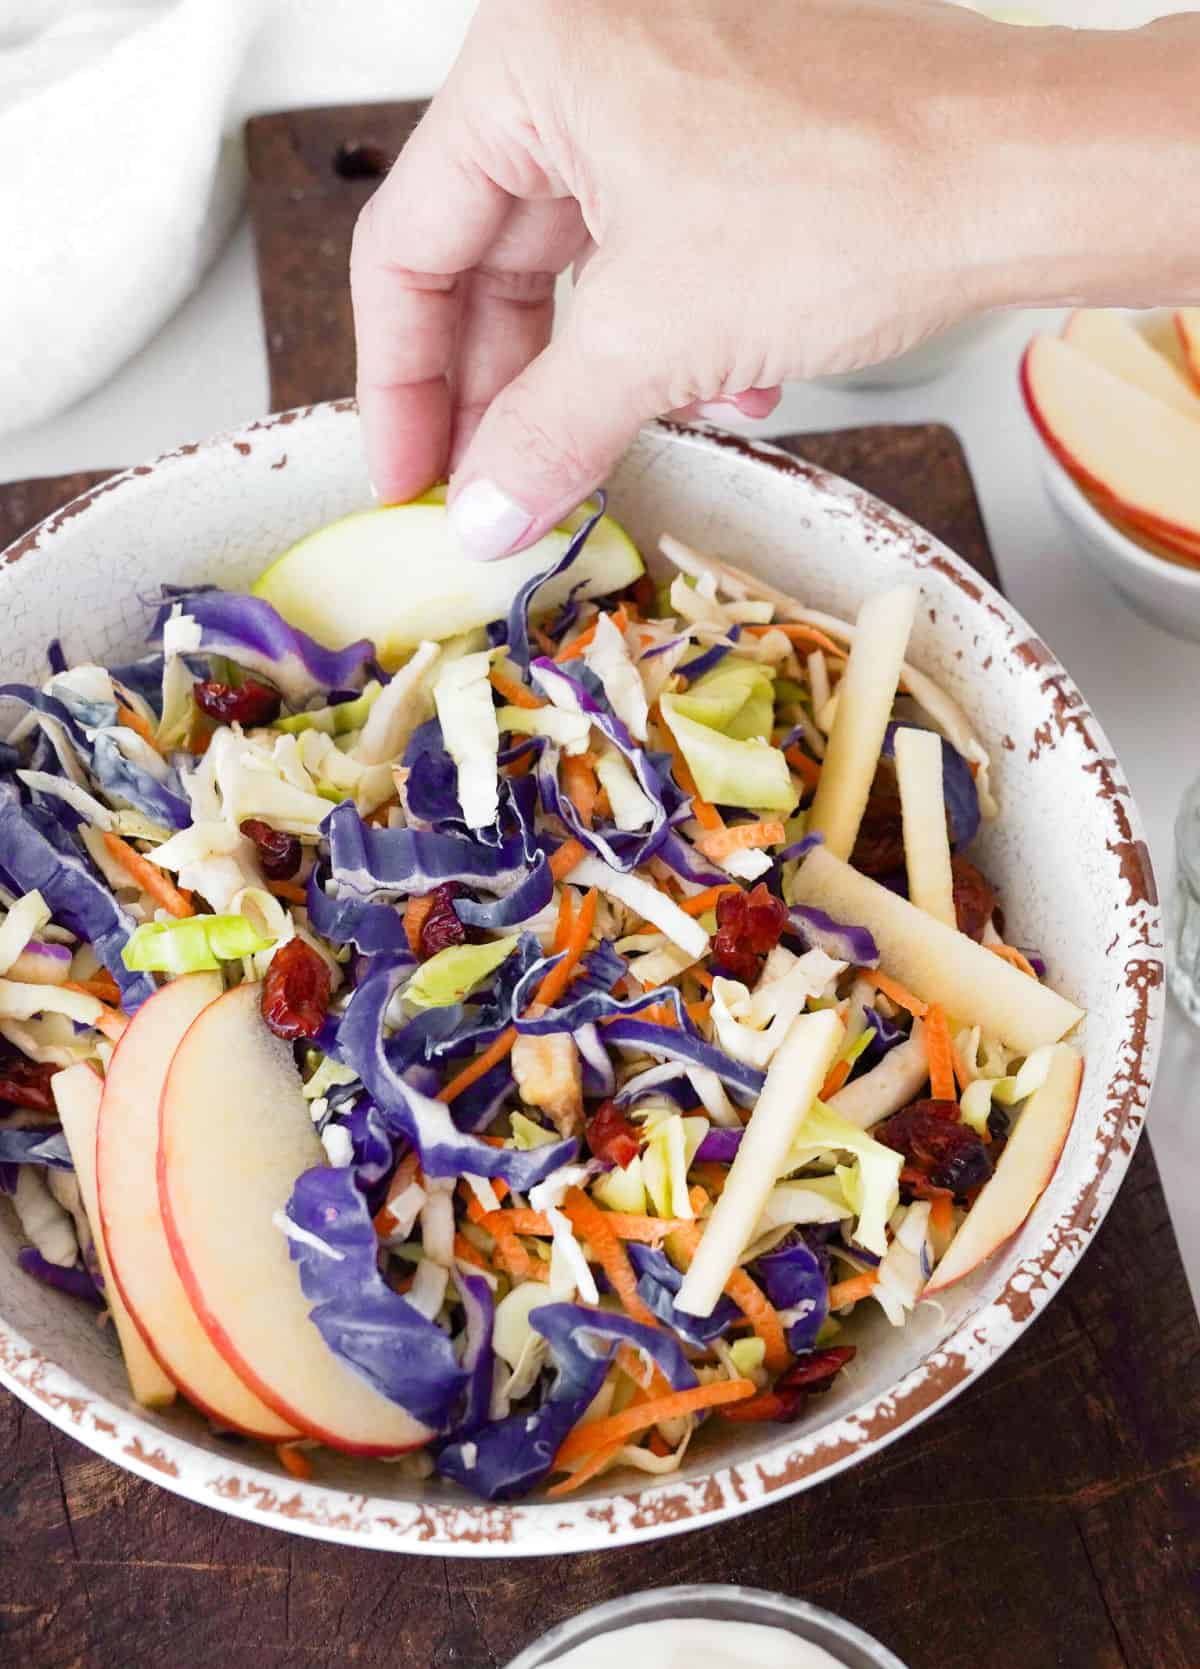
(544, 641)
(594, 1434)
(1010, 953)
(658, 1445)
(587, 1219)
(803, 766)
(201, 736)
(699, 1012)
(711, 1175)
(555, 982)
(547, 994)
(566, 920)
(835, 1078)
(751, 1301)
(416, 913)
(579, 780)
(626, 1225)
(293, 1460)
(940, 1052)
(110, 1021)
(135, 722)
(799, 632)
(898, 993)
(599, 1458)
(719, 844)
(941, 1214)
(658, 1014)
(102, 986)
(849, 1292)
(578, 644)
(290, 891)
(702, 977)
(513, 692)
(149, 877)
(407, 1171)
(568, 857)
(466, 1253)
(700, 902)
(471, 1074)
(521, 766)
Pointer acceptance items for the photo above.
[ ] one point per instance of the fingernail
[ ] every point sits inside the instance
(486, 522)
(725, 412)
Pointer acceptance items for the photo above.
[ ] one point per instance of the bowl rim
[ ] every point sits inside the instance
(124, 1435)
(1073, 501)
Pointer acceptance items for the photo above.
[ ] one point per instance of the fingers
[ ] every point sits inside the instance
(554, 433)
(508, 312)
(430, 222)
(750, 406)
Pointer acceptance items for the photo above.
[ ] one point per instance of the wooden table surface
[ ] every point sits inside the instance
(1050, 1516)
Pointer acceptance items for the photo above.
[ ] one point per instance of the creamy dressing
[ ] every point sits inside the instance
(697, 1643)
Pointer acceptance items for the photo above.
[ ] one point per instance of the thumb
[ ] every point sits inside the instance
(549, 438)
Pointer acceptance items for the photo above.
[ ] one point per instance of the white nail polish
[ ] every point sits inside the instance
(486, 522)
(723, 412)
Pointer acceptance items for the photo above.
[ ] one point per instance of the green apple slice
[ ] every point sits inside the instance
(396, 576)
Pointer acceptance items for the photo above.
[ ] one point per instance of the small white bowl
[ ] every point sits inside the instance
(1165, 593)
(719, 1603)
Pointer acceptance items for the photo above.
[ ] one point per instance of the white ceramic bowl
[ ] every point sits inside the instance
(1067, 854)
(1165, 593)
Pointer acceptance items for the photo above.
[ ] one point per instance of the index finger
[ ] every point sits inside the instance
(429, 223)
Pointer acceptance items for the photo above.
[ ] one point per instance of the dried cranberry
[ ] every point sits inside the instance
(879, 847)
(26, 1084)
(933, 1140)
(974, 897)
(248, 703)
(278, 853)
(296, 991)
(817, 1370)
(441, 927)
(748, 926)
(612, 1136)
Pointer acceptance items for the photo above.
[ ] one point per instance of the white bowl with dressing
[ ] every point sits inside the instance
(707, 1626)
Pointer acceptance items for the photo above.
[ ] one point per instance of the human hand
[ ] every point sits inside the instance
(746, 193)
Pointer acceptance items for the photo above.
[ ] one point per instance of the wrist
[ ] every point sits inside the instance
(1088, 192)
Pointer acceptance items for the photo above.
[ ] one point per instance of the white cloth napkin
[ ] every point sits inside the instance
(118, 181)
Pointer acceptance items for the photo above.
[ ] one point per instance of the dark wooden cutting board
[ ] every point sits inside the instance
(1051, 1516)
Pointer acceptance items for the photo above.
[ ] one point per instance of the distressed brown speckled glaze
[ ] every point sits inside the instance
(1068, 852)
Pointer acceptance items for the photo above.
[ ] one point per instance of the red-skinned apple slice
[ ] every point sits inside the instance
(1136, 453)
(1162, 333)
(234, 1134)
(1022, 1172)
(1111, 340)
(77, 1093)
(1187, 324)
(131, 1222)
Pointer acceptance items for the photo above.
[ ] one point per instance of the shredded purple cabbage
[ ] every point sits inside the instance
(511, 1456)
(76, 1282)
(72, 890)
(840, 940)
(517, 635)
(796, 1278)
(252, 634)
(374, 1330)
(445, 1150)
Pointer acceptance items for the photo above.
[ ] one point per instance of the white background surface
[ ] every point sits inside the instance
(206, 370)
